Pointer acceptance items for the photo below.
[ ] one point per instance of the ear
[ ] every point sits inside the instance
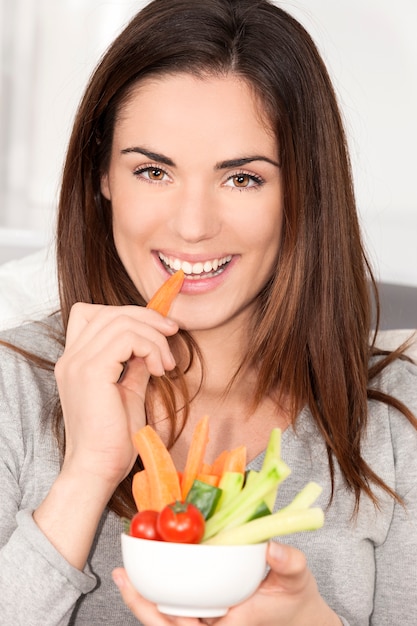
(105, 187)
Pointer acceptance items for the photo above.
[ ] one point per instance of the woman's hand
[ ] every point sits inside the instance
(101, 411)
(102, 376)
(287, 597)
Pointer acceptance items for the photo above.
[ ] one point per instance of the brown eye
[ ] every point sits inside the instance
(241, 180)
(152, 174)
(155, 174)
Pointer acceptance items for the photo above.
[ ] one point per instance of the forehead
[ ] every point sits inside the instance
(204, 105)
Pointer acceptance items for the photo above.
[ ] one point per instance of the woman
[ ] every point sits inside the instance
(209, 138)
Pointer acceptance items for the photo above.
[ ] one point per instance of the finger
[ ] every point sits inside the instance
(122, 338)
(127, 336)
(96, 365)
(144, 610)
(288, 568)
(86, 320)
(135, 375)
(80, 317)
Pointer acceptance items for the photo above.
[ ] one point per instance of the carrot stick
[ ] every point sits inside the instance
(218, 463)
(141, 491)
(236, 460)
(206, 468)
(163, 298)
(195, 456)
(163, 478)
(209, 479)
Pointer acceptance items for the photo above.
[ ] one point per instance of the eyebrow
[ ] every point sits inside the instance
(244, 160)
(161, 158)
(153, 156)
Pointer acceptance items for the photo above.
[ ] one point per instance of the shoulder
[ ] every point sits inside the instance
(27, 355)
(390, 434)
(29, 457)
(399, 380)
(43, 339)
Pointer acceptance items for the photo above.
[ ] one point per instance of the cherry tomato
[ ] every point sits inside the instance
(143, 525)
(181, 522)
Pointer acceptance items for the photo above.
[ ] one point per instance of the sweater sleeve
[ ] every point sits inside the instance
(37, 585)
(395, 600)
(35, 580)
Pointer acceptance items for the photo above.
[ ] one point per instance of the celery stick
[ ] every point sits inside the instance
(245, 503)
(284, 473)
(263, 508)
(251, 475)
(264, 528)
(304, 498)
(230, 484)
(271, 497)
(273, 451)
(273, 448)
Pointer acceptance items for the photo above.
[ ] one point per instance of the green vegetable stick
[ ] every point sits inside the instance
(230, 484)
(273, 451)
(273, 448)
(265, 507)
(261, 510)
(264, 528)
(204, 496)
(304, 498)
(245, 503)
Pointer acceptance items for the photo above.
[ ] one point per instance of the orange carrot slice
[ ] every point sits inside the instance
(209, 479)
(235, 460)
(163, 478)
(206, 468)
(218, 463)
(141, 491)
(163, 298)
(195, 456)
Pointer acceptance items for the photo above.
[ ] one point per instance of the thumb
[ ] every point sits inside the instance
(289, 571)
(135, 376)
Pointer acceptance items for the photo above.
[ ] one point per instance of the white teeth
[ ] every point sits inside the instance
(198, 268)
(187, 267)
(195, 269)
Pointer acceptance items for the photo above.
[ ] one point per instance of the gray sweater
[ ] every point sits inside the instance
(366, 569)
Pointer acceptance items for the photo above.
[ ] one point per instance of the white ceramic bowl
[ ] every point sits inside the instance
(193, 580)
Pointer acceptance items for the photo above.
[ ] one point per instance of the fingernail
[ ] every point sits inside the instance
(276, 551)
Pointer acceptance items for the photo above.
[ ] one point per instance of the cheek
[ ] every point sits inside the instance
(133, 218)
(263, 229)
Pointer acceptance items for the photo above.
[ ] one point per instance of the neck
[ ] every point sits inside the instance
(222, 355)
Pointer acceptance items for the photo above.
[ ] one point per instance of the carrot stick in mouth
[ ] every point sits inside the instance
(163, 298)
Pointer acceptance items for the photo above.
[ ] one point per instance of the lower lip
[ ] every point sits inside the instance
(205, 283)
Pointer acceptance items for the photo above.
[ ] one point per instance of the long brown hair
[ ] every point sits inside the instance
(310, 336)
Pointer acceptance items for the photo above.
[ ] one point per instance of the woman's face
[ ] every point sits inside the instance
(194, 182)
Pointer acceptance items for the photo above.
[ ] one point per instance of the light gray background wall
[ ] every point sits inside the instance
(49, 47)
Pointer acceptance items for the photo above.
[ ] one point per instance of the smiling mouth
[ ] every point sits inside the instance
(194, 271)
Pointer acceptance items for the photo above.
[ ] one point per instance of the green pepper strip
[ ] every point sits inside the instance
(204, 497)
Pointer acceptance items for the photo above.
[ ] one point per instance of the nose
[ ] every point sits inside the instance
(195, 215)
